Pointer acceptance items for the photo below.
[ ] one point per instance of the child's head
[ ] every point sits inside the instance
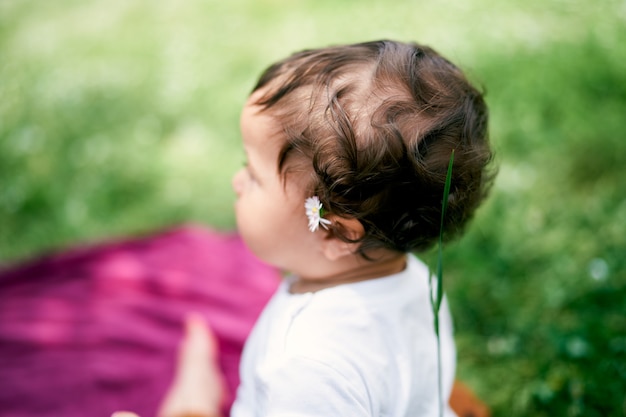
(369, 129)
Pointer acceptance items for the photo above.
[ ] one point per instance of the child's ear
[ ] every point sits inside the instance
(335, 248)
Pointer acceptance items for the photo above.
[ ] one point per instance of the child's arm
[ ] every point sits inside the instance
(198, 388)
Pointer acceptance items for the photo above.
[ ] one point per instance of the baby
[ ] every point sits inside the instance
(347, 153)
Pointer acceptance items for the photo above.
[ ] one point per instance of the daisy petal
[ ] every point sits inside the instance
(313, 208)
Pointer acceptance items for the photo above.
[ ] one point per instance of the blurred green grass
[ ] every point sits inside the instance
(121, 117)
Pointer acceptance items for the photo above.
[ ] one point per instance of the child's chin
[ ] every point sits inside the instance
(258, 249)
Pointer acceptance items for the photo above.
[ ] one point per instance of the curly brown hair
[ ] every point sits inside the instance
(377, 123)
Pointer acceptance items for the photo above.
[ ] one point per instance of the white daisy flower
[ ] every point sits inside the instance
(314, 212)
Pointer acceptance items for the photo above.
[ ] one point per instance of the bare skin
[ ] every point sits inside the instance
(363, 271)
(198, 388)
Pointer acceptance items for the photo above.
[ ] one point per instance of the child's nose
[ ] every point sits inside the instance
(238, 181)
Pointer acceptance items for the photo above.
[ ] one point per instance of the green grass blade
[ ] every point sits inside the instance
(436, 302)
(444, 206)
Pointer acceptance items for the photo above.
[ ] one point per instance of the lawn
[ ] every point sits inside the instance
(120, 117)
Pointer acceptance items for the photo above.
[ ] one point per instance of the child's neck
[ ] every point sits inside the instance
(360, 270)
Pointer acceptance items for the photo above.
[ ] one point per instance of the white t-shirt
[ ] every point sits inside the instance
(361, 349)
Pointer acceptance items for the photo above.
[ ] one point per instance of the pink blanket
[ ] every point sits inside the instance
(91, 331)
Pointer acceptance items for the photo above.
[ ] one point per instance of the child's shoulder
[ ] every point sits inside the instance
(365, 312)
